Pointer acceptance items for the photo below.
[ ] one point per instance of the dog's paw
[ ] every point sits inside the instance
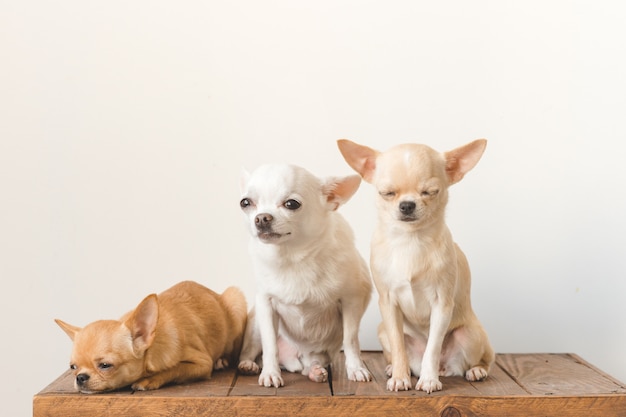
(428, 385)
(221, 363)
(271, 379)
(399, 384)
(317, 373)
(476, 373)
(389, 370)
(145, 384)
(360, 374)
(248, 367)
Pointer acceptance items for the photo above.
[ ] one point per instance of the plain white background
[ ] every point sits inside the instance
(124, 127)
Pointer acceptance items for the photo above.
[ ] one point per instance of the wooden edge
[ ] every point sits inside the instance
(348, 406)
(580, 360)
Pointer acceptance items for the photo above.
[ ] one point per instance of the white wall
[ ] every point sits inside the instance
(124, 126)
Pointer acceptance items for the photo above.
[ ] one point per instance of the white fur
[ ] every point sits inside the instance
(312, 285)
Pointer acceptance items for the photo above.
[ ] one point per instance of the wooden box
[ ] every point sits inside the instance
(519, 385)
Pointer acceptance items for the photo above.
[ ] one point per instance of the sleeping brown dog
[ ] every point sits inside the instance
(181, 335)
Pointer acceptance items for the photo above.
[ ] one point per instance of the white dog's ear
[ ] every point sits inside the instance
(361, 158)
(461, 160)
(244, 177)
(338, 190)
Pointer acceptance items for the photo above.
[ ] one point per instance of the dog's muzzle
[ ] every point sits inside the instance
(407, 211)
(263, 223)
(81, 379)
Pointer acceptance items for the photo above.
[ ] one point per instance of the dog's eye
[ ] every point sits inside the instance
(245, 202)
(104, 365)
(430, 193)
(292, 204)
(387, 194)
(73, 367)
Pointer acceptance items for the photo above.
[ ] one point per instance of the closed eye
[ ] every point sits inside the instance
(387, 194)
(430, 193)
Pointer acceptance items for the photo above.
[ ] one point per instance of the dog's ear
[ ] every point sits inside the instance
(461, 160)
(243, 179)
(361, 158)
(339, 190)
(68, 328)
(142, 323)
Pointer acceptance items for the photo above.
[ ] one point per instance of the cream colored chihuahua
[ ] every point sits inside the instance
(422, 276)
(181, 335)
(312, 285)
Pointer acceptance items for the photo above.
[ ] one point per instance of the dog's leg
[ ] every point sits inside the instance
(440, 317)
(480, 369)
(183, 372)
(394, 330)
(288, 355)
(355, 368)
(315, 366)
(268, 328)
(251, 348)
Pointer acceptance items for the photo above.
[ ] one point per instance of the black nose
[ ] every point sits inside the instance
(82, 378)
(263, 219)
(407, 207)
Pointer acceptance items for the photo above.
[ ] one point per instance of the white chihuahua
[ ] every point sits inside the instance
(422, 277)
(312, 285)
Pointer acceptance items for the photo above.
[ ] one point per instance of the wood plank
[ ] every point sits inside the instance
(520, 385)
(346, 406)
(556, 374)
(498, 383)
(296, 384)
(219, 385)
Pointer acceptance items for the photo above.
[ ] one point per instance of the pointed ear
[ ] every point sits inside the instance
(68, 328)
(339, 190)
(142, 323)
(361, 158)
(243, 179)
(461, 160)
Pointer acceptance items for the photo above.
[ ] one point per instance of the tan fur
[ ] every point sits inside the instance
(421, 275)
(181, 335)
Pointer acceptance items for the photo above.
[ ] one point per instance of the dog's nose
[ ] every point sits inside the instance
(82, 378)
(263, 219)
(407, 207)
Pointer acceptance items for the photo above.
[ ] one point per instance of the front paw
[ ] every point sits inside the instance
(145, 384)
(360, 374)
(248, 367)
(271, 379)
(428, 385)
(399, 384)
(221, 363)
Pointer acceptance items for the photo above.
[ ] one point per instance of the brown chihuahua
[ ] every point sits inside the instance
(181, 335)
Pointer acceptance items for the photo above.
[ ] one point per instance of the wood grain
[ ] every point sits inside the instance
(519, 385)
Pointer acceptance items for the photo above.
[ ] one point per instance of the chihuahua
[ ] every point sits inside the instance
(312, 285)
(421, 275)
(181, 335)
